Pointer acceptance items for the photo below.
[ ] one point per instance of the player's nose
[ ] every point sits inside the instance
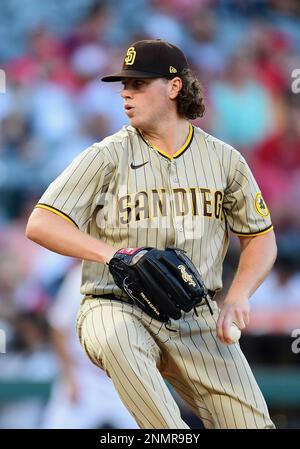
(126, 93)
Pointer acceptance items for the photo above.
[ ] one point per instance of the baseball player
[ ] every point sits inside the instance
(162, 182)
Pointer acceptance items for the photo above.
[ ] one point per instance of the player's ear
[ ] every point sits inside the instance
(175, 86)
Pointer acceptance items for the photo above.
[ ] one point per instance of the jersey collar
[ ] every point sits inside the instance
(179, 152)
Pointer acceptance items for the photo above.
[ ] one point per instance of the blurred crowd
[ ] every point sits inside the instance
(54, 106)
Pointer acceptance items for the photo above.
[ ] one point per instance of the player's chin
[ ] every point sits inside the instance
(135, 122)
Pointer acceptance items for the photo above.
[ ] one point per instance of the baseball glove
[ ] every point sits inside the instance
(163, 283)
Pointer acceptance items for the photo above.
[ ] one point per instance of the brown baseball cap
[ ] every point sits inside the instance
(152, 58)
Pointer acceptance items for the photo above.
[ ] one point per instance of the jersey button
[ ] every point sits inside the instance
(179, 228)
(175, 179)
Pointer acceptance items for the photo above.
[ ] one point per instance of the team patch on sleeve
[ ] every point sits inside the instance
(261, 206)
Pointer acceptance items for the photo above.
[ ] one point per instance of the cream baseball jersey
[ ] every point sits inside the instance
(129, 193)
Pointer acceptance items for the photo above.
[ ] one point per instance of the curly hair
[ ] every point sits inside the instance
(190, 103)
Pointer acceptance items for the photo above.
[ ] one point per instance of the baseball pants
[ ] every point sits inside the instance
(138, 353)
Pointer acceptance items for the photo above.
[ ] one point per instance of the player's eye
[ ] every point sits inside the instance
(136, 84)
(133, 84)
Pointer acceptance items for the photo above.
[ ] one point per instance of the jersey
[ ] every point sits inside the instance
(129, 193)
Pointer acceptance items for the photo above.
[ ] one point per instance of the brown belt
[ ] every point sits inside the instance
(129, 300)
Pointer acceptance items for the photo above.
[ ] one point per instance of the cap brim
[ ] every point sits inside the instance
(129, 74)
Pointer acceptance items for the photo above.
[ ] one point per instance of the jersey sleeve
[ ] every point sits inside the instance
(75, 193)
(244, 207)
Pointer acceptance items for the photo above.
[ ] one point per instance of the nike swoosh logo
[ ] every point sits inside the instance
(138, 166)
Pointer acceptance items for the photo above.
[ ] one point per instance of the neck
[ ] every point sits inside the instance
(168, 137)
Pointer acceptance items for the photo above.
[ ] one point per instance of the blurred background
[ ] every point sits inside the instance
(53, 53)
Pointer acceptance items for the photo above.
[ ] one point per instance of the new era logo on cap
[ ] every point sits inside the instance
(152, 58)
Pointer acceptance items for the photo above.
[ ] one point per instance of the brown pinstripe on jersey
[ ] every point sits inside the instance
(128, 194)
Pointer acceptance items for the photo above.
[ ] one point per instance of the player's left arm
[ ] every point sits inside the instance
(258, 254)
